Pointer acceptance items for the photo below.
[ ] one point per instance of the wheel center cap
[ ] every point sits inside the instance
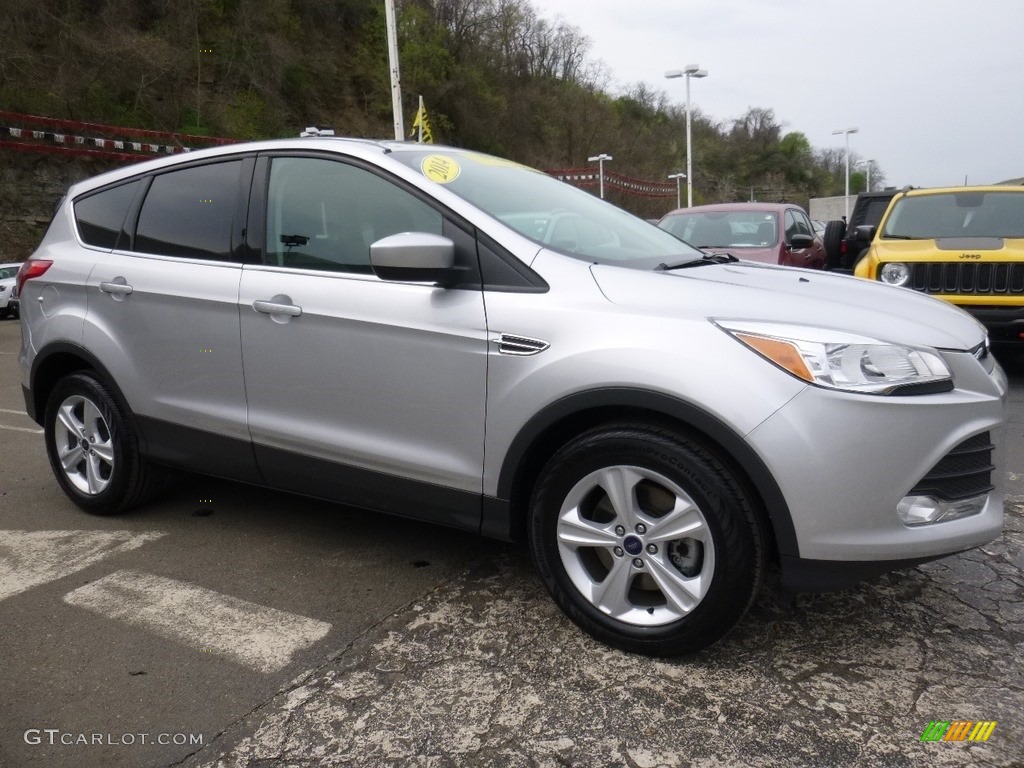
(632, 545)
(85, 444)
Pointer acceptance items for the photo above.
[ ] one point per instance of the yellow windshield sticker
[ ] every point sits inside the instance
(440, 168)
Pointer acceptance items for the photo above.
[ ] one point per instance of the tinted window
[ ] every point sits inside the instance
(100, 217)
(323, 214)
(189, 212)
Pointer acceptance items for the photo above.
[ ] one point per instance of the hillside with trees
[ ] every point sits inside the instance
(496, 75)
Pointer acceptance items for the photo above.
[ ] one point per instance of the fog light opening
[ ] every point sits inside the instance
(925, 510)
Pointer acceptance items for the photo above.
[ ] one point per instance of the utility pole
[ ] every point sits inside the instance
(396, 80)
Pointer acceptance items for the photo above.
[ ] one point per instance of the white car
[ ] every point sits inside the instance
(8, 304)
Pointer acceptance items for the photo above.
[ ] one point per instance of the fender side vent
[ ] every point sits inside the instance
(520, 346)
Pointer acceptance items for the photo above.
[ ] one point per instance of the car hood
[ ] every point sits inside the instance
(746, 291)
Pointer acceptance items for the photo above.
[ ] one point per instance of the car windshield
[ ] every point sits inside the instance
(549, 212)
(956, 214)
(723, 229)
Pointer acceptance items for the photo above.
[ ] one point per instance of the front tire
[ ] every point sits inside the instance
(93, 449)
(646, 540)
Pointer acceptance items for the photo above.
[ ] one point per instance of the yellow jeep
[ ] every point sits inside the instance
(961, 244)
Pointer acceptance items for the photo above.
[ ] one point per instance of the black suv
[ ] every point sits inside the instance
(842, 247)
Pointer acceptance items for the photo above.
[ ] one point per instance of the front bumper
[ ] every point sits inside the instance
(844, 462)
(801, 575)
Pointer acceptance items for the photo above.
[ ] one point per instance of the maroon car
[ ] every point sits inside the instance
(773, 233)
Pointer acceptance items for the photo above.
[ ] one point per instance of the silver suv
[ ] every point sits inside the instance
(449, 336)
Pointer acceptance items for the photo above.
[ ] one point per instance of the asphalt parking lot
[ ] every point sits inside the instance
(340, 638)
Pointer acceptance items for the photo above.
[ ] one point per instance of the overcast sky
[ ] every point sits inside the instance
(936, 87)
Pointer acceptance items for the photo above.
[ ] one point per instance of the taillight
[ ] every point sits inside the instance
(842, 247)
(30, 269)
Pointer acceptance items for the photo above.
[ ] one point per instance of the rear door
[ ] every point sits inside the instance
(361, 390)
(163, 313)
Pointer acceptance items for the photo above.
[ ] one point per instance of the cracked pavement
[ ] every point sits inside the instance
(486, 671)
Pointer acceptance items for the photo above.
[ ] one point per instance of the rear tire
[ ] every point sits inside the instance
(646, 540)
(93, 449)
(832, 239)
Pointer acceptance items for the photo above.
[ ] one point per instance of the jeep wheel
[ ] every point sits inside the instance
(646, 540)
(832, 240)
(92, 448)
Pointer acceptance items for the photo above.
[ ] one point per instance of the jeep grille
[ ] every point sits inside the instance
(974, 279)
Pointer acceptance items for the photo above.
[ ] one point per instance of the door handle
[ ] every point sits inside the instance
(116, 289)
(273, 308)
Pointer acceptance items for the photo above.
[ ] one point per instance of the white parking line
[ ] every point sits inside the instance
(22, 429)
(31, 558)
(12, 410)
(257, 636)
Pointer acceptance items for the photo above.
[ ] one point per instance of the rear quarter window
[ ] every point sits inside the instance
(100, 217)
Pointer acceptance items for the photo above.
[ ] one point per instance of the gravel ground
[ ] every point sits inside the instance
(486, 671)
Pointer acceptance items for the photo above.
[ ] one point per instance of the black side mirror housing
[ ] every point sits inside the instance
(799, 242)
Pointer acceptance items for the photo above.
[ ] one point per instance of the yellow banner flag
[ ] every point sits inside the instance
(421, 126)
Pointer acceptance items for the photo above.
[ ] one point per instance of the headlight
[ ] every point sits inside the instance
(844, 361)
(894, 273)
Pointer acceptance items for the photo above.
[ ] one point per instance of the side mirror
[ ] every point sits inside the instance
(799, 242)
(413, 257)
(865, 233)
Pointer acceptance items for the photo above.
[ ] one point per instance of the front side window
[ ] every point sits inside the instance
(100, 217)
(189, 212)
(803, 224)
(791, 227)
(324, 214)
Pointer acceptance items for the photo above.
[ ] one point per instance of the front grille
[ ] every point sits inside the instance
(968, 278)
(964, 472)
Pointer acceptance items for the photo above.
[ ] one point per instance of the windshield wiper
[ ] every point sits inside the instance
(900, 237)
(707, 258)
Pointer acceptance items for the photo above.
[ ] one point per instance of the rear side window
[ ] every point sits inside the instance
(100, 217)
(189, 212)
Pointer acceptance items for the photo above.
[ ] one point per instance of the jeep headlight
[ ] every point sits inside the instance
(894, 273)
(844, 361)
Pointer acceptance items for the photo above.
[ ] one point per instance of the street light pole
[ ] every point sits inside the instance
(599, 159)
(689, 71)
(867, 168)
(677, 177)
(847, 131)
(391, 32)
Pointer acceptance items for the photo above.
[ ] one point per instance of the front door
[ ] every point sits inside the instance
(358, 389)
